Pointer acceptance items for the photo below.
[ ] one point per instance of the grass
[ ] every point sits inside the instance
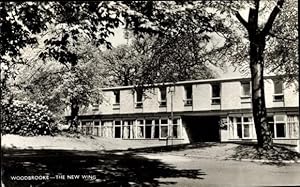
(201, 150)
(278, 153)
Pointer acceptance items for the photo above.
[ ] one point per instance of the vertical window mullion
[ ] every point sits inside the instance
(275, 127)
(242, 122)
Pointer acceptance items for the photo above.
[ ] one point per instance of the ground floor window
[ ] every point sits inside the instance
(117, 129)
(96, 128)
(293, 126)
(86, 127)
(241, 126)
(175, 128)
(281, 126)
(156, 129)
(277, 125)
(164, 128)
(107, 129)
(145, 128)
(127, 131)
(140, 128)
(148, 128)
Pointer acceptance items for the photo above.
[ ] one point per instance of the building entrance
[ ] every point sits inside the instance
(202, 128)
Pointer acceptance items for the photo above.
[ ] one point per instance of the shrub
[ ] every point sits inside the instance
(26, 119)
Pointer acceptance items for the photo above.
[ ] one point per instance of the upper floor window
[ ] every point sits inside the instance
(188, 95)
(96, 104)
(117, 97)
(139, 98)
(278, 90)
(245, 91)
(216, 94)
(163, 96)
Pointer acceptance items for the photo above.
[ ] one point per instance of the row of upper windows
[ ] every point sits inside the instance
(215, 90)
(278, 90)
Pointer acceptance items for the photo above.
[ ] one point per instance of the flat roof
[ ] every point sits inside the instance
(186, 82)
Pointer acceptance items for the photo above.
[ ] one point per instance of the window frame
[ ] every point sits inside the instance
(117, 126)
(275, 122)
(214, 98)
(188, 101)
(278, 97)
(162, 102)
(139, 104)
(163, 125)
(242, 89)
(143, 128)
(239, 127)
(117, 94)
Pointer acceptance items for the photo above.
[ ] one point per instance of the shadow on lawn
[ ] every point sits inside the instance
(179, 147)
(109, 169)
(275, 155)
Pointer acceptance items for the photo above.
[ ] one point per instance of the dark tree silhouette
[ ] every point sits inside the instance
(257, 37)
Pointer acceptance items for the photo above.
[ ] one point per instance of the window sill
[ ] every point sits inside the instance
(116, 106)
(277, 101)
(245, 96)
(280, 138)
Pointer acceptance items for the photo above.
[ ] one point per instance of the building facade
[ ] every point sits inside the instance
(191, 111)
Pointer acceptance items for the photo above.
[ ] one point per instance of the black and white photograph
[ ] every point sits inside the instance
(149, 93)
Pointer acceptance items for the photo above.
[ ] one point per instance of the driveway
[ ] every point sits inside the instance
(231, 173)
(92, 168)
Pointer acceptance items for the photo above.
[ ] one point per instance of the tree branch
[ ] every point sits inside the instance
(272, 17)
(241, 19)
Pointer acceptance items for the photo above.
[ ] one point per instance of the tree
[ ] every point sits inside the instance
(254, 45)
(174, 50)
(66, 25)
(53, 84)
(257, 36)
(154, 59)
(259, 43)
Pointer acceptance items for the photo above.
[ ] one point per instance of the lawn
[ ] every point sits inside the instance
(196, 150)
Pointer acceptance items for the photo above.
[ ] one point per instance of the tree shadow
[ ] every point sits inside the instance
(108, 169)
(178, 147)
(275, 156)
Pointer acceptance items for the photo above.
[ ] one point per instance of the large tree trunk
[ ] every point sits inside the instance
(74, 105)
(74, 114)
(264, 136)
(257, 38)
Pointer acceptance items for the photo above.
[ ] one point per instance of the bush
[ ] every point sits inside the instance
(26, 119)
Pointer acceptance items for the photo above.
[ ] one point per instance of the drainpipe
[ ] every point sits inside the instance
(298, 141)
(172, 90)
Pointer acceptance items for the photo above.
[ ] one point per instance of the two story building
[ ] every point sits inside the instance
(191, 111)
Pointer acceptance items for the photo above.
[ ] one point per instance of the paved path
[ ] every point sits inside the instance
(231, 173)
(140, 169)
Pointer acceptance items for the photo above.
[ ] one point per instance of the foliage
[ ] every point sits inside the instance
(282, 54)
(257, 31)
(52, 84)
(281, 50)
(153, 59)
(26, 119)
